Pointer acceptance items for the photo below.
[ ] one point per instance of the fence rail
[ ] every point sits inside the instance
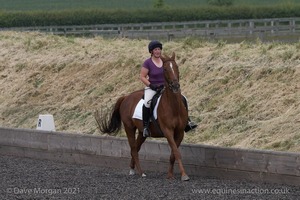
(210, 29)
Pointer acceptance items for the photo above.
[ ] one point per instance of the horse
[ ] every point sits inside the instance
(172, 118)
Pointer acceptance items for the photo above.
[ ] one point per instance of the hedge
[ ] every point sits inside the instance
(118, 16)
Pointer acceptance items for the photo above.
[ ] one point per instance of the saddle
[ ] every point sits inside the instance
(153, 110)
(152, 107)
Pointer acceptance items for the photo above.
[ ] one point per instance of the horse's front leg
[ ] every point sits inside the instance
(175, 155)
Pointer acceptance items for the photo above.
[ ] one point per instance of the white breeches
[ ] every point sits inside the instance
(148, 95)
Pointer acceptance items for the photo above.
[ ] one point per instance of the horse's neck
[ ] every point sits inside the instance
(173, 100)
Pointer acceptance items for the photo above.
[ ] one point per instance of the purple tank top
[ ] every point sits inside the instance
(156, 74)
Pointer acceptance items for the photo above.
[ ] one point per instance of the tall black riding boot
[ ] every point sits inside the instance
(190, 125)
(146, 119)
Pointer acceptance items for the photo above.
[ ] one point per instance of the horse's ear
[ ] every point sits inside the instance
(173, 56)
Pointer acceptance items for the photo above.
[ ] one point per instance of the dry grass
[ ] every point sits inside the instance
(242, 95)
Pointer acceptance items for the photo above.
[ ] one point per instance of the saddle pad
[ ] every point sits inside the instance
(139, 107)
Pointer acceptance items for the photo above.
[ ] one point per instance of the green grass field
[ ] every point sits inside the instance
(26, 5)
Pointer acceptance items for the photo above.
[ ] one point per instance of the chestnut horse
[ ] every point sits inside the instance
(172, 118)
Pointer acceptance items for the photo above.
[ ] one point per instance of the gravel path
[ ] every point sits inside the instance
(24, 178)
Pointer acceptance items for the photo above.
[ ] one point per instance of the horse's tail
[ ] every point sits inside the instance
(109, 121)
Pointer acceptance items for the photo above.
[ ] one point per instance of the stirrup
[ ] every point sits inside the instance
(146, 132)
(190, 126)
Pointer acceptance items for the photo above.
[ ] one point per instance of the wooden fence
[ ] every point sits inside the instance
(248, 28)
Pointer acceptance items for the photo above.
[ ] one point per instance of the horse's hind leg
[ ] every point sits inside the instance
(139, 141)
(171, 166)
(135, 146)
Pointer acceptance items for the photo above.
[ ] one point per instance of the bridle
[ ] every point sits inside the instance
(173, 82)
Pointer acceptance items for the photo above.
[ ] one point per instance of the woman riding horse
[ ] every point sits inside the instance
(172, 117)
(152, 75)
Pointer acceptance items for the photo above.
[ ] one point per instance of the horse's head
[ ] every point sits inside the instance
(171, 73)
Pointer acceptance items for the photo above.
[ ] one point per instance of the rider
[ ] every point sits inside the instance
(152, 76)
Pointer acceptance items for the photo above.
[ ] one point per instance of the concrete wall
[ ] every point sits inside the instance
(199, 160)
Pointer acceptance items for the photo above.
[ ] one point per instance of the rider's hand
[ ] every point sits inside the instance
(153, 87)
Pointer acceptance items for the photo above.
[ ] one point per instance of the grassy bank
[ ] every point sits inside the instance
(242, 95)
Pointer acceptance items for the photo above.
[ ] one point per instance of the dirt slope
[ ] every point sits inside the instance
(242, 95)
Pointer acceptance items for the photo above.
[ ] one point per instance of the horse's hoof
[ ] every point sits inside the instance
(131, 172)
(143, 175)
(185, 178)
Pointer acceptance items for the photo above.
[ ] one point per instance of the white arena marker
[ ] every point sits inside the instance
(46, 123)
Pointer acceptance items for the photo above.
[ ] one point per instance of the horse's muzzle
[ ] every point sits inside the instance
(174, 86)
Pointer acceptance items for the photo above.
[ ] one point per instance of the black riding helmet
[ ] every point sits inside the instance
(154, 44)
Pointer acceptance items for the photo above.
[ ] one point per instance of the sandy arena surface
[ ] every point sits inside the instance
(24, 178)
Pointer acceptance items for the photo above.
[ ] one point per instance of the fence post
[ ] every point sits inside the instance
(292, 25)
